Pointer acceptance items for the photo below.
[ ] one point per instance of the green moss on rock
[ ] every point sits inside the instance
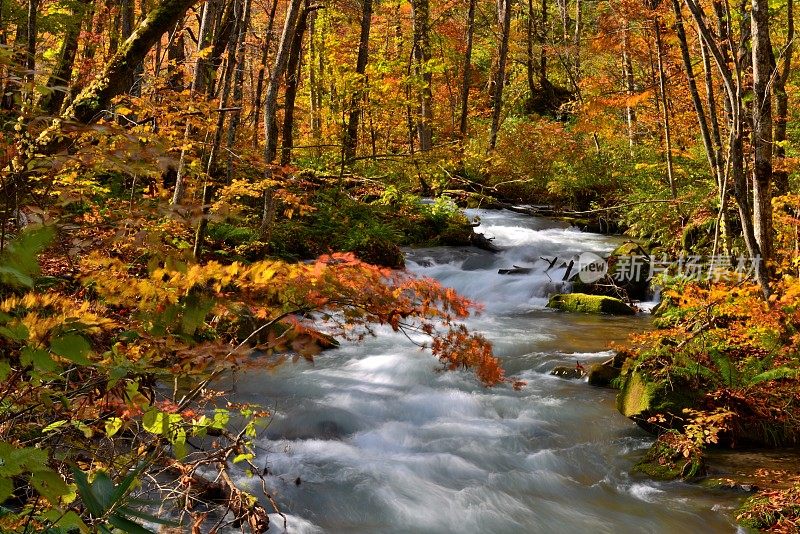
(583, 303)
(635, 395)
(603, 375)
(641, 397)
(664, 460)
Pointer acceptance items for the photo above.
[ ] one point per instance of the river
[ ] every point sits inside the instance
(370, 439)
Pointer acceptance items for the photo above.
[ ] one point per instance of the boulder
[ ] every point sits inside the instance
(603, 375)
(665, 460)
(583, 303)
(640, 398)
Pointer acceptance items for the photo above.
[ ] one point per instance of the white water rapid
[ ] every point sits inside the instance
(382, 443)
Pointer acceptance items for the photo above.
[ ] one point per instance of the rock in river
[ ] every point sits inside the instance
(580, 302)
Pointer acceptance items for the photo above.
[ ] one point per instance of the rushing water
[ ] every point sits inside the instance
(380, 443)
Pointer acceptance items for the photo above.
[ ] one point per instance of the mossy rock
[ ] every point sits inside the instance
(630, 248)
(640, 398)
(766, 510)
(603, 375)
(663, 461)
(635, 395)
(583, 303)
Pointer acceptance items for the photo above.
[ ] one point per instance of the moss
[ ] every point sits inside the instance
(778, 510)
(603, 375)
(635, 395)
(583, 303)
(658, 471)
(641, 397)
(664, 460)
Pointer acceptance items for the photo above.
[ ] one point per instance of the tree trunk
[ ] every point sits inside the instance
(202, 82)
(351, 135)
(732, 82)
(500, 80)
(462, 128)
(529, 36)
(543, 81)
(238, 84)
(262, 69)
(576, 42)
(211, 166)
(762, 127)
(30, 53)
(314, 86)
(60, 78)
(422, 55)
(630, 86)
(118, 74)
(780, 173)
(11, 91)
(695, 94)
(662, 86)
(278, 68)
(176, 57)
(293, 69)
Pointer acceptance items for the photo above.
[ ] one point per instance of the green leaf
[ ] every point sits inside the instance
(113, 425)
(73, 347)
(85, 491)
(16, 332)
(54, 426)
(6, 488)
(38, 358)
(83, 427)
(242, 457)
(774, 374)
(65, 520)
(147, 517)
(128, 526)
(103, 490)
(221, 418)
(15, 460)
(5, 369)
(18, 262)
(194, 314)
(50, 485)
(155, 422)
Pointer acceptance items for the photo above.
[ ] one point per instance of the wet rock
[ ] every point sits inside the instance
(640, 398)
(583, 303)
(666, 461)
(603, 375)
(482, 242)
